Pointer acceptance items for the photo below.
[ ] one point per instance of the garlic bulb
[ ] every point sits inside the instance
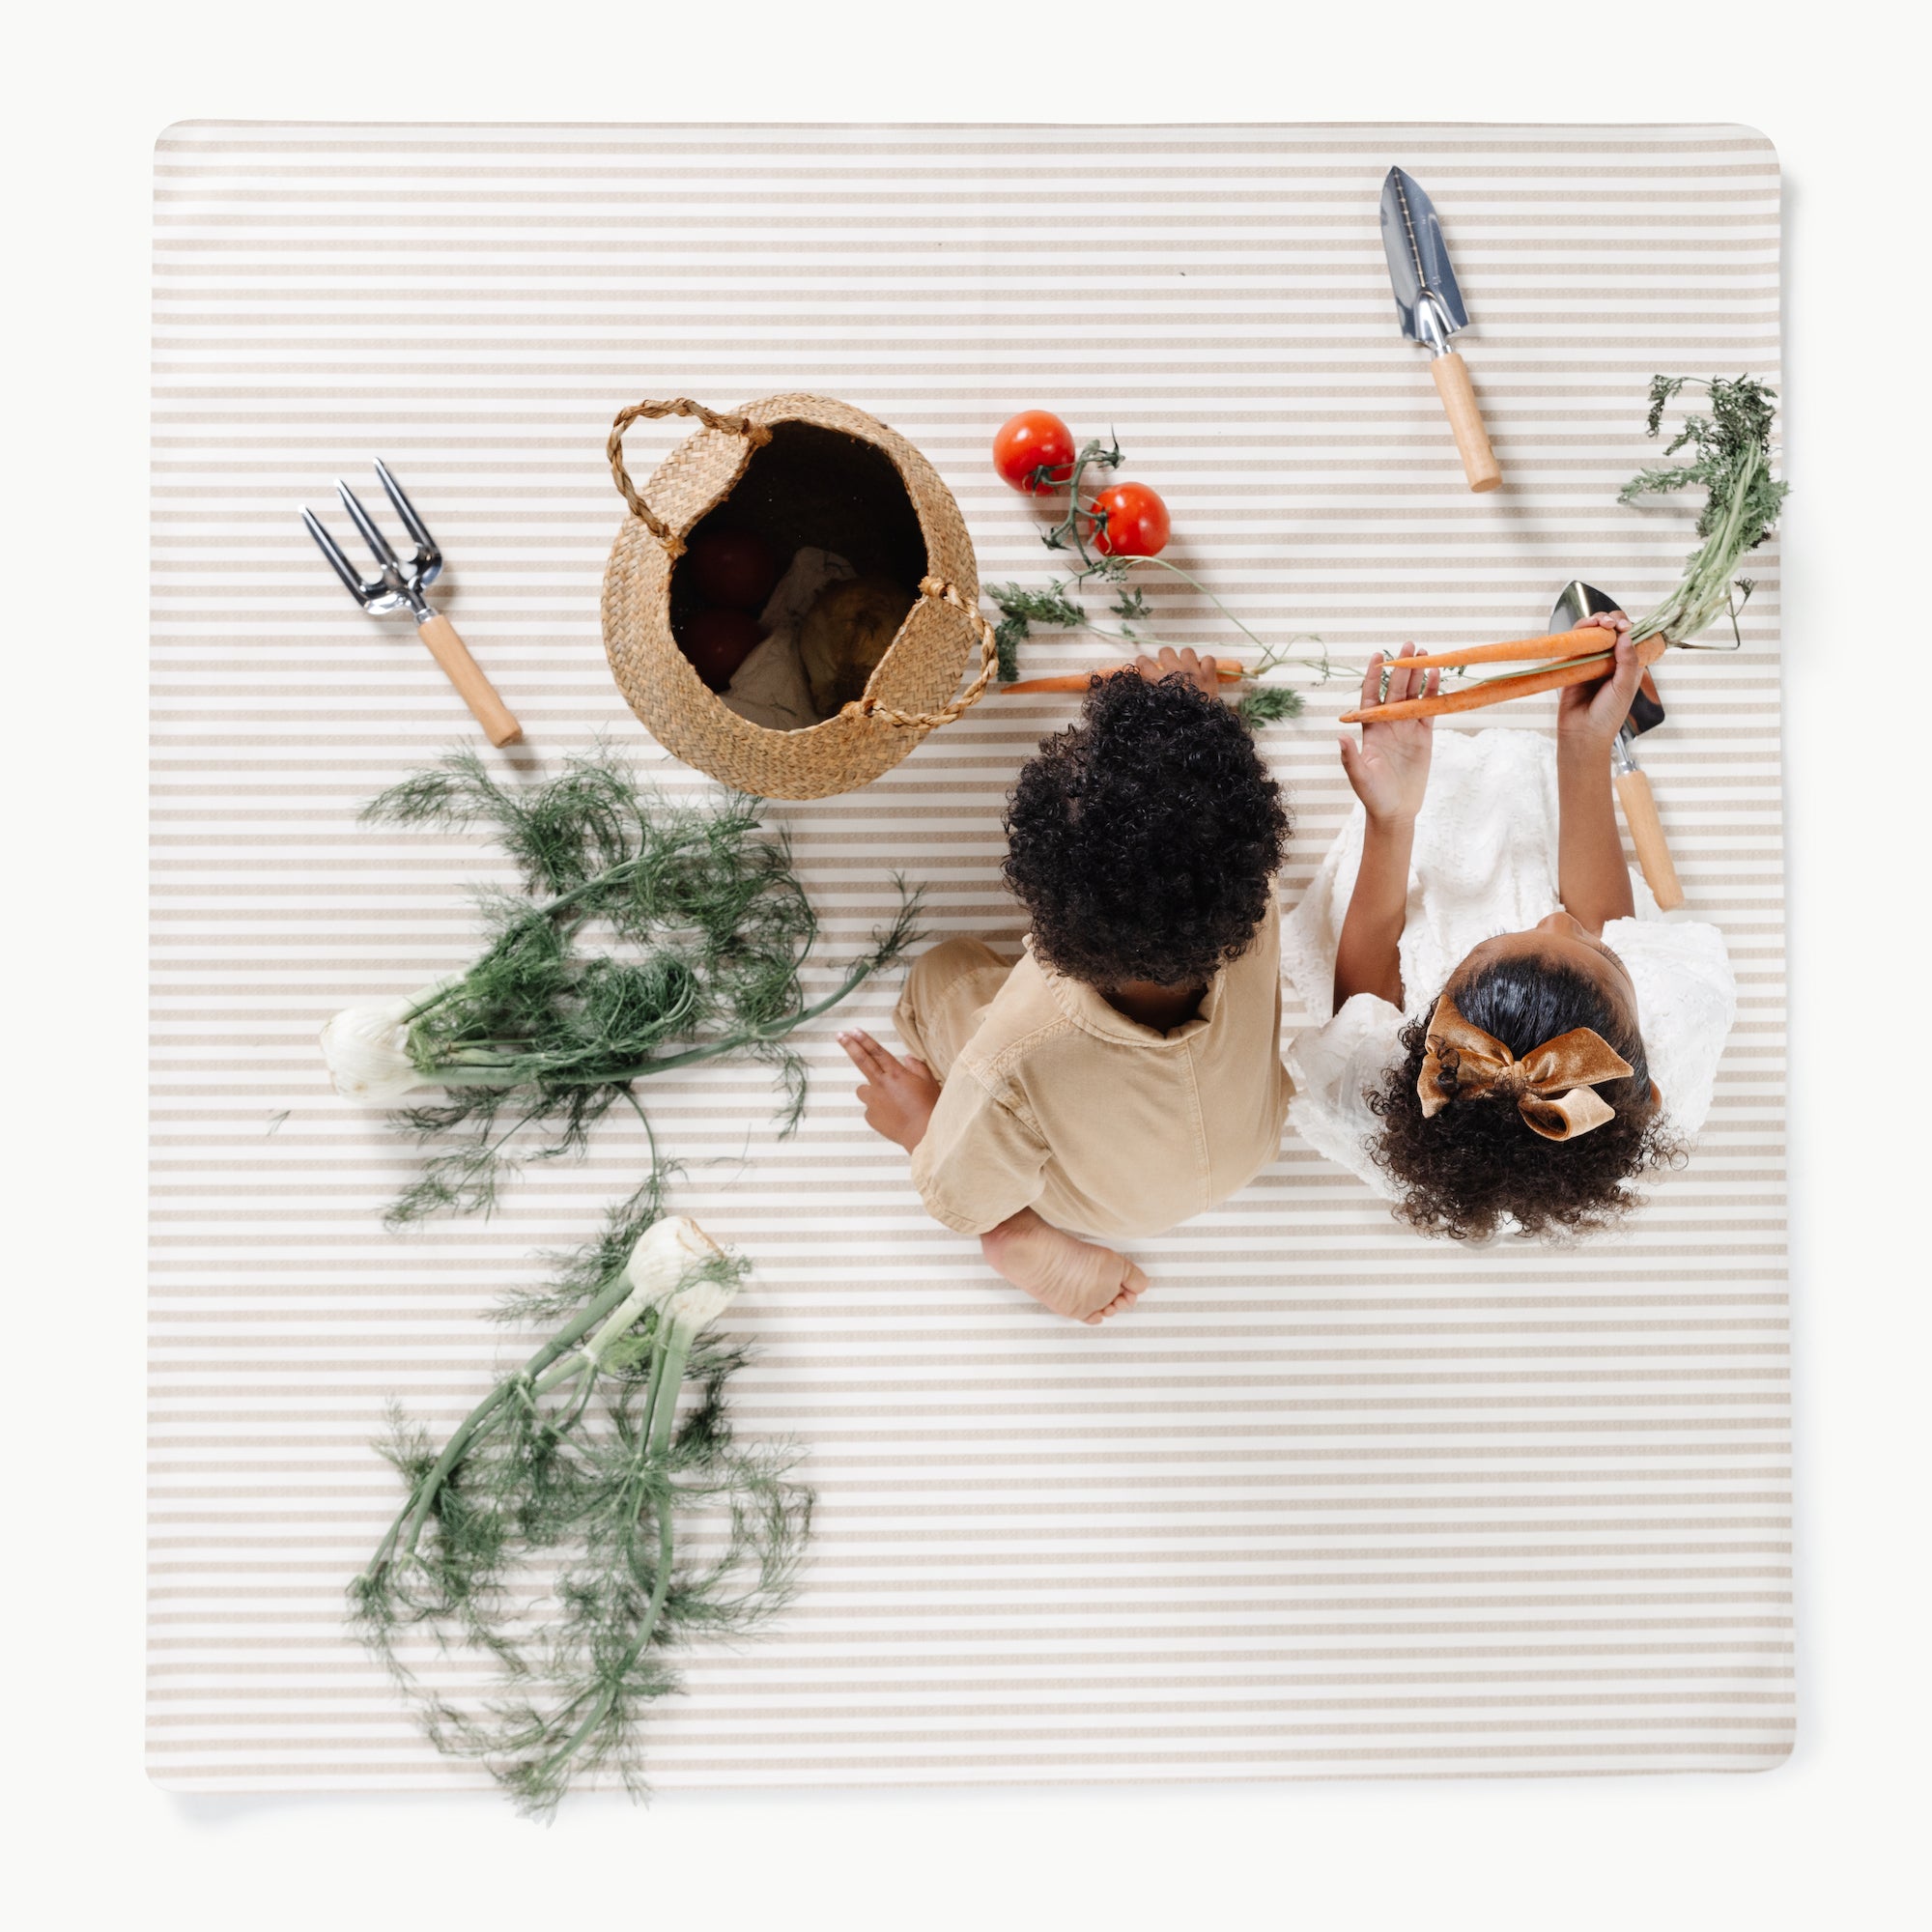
(366, 1048)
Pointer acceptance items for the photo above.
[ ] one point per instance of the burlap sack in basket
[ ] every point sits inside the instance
(910, 692)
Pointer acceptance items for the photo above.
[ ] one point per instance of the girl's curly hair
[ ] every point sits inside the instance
(1142, 841)
(1476, 1167)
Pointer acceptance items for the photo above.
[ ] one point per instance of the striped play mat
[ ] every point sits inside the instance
(1334, 1500)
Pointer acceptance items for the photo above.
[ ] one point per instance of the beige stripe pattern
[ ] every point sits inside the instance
(1334, 1501)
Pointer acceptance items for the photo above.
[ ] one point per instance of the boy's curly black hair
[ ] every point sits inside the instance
(1142, 841)
(1476, 1166)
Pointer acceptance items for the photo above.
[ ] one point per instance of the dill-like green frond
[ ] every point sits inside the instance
(1731, 460)
(649, 935)
(1268, 704)
(646, 1527)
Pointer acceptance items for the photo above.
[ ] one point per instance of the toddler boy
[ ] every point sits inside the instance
(1126, 1073)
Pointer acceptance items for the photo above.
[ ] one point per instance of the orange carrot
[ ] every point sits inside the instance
(1496, 691)
(1079, 680)
(1591, 638)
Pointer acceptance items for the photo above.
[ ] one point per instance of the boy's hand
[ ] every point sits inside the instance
(898, 1095)
(1590, 715)
(1389, 769)
(1202, 673)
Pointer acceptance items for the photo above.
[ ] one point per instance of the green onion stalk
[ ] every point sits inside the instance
(648, 937)
(580, 1467)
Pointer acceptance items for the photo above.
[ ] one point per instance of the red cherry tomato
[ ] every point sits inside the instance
(1034, 441)
(1129, 521)
(734, 568)
(718, 642)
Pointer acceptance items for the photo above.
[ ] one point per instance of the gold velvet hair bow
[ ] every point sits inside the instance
(1550, 1085)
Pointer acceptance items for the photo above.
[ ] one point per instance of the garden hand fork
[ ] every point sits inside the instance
(398, 585)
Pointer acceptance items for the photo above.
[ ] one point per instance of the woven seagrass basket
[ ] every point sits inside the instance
(795, 470)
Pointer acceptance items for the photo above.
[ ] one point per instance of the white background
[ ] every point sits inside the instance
(1827, 1840)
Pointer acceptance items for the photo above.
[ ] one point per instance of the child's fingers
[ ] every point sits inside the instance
(1402, 682)
(1626, 671)
(1371, 680)
(917, 1067)
(867, 1054)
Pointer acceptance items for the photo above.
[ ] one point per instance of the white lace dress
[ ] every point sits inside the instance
(1484, 862)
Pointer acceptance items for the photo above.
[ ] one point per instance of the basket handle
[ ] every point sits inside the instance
(755, 434)
(946, 714)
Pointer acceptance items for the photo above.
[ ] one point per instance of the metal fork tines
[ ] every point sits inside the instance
(398, 585)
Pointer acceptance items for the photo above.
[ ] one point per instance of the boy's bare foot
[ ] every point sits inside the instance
(1070, 1277)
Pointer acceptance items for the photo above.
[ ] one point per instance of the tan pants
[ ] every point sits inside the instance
(946, 996)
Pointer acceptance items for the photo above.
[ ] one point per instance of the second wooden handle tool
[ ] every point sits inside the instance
(467, 676)
(1646, 831)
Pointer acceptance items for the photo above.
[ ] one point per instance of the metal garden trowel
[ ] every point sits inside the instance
(1429, 304)
(1576, 602)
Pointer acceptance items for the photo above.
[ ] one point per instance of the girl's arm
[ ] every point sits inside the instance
(1368, 958)
(1389, 773)
(1592, 880)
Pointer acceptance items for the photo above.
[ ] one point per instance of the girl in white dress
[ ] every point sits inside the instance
(1516, 1033)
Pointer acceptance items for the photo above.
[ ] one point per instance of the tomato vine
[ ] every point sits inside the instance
(1081, 532)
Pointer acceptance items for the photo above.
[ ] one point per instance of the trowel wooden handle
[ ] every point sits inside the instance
(1465, 419)
(461, 668)
(1646, 831)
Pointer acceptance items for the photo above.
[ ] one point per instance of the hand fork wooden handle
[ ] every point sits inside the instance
(467, 676)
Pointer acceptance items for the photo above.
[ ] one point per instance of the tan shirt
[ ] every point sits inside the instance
(1101, 1125)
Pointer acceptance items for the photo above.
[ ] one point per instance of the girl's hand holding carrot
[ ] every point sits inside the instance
(1591, 715)
(1388, 771)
